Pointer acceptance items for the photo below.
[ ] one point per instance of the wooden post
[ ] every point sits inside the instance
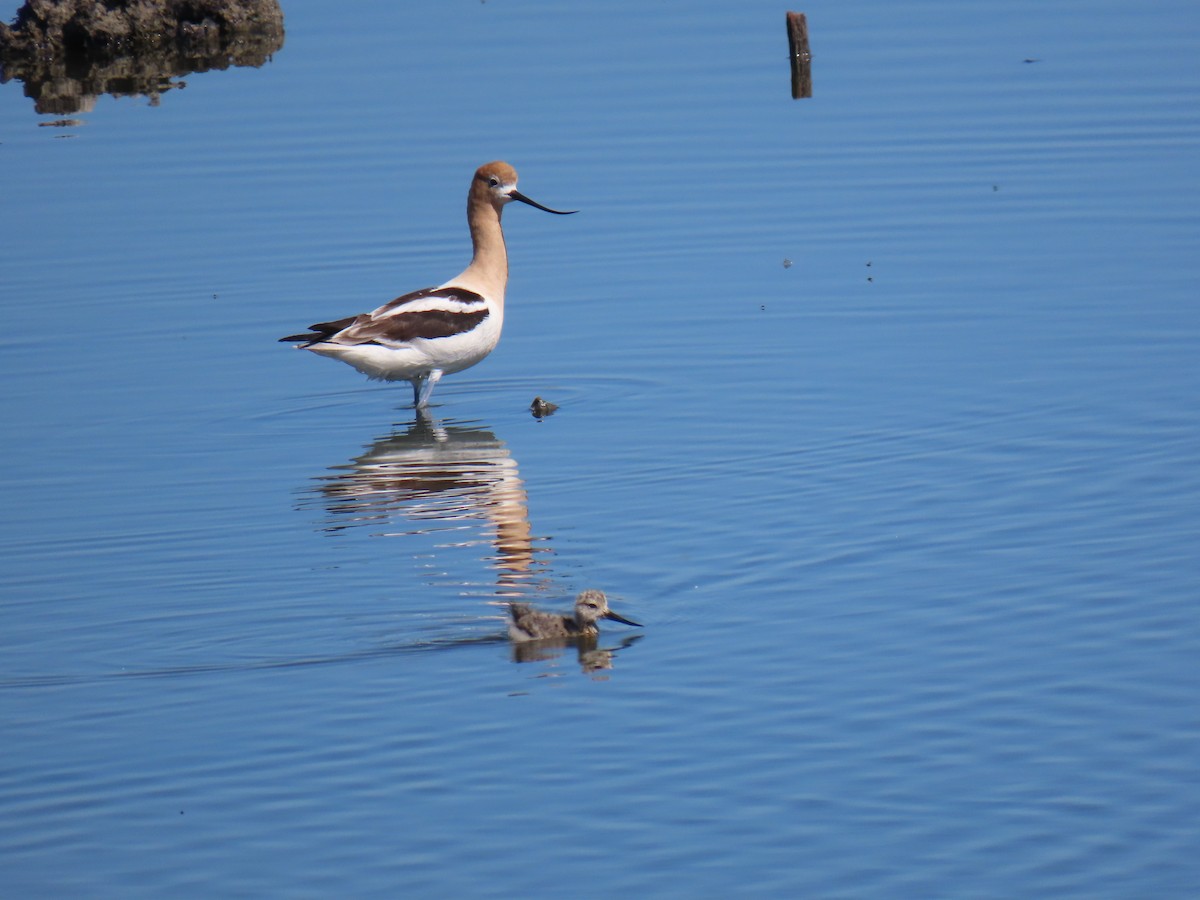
(797, 26)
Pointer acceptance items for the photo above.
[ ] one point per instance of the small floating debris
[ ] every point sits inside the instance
(787, 263)
(62, 123)
(542, 408)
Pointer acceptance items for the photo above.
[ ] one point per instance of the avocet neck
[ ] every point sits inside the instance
(487, 274)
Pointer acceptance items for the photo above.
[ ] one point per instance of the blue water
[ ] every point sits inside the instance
(878, 409)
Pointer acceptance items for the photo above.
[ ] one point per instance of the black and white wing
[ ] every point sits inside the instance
(429, 313)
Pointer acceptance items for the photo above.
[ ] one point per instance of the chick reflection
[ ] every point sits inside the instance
(441, 476)
(591, 656)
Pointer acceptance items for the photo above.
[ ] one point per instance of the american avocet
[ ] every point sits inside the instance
(422, 336)
(529, 624)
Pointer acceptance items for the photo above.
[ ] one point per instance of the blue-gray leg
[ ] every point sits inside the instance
(423, 388)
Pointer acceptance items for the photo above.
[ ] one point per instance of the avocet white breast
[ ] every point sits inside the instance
(436, 331)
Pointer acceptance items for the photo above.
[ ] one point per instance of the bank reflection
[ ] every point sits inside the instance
(441, 477)
(69, 53)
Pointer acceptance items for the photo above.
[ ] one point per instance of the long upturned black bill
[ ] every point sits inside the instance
(517, 195)
(612, 615)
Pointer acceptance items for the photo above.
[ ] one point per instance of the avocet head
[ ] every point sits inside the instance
(499, 181)
(592, 605)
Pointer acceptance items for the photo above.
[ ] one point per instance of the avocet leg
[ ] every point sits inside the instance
(423, 389)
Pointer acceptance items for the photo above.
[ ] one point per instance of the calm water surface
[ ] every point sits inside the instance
(878, 409)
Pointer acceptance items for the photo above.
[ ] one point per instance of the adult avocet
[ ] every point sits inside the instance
(422, 336)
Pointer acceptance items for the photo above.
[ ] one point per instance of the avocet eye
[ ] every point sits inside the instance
(494, 181)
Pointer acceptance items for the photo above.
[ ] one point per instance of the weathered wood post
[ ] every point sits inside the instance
(797, 26)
